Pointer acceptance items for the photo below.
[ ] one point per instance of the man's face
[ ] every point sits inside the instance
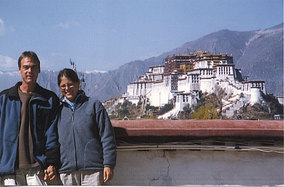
(29, 71)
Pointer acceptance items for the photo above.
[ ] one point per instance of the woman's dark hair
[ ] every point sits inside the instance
(69, 74)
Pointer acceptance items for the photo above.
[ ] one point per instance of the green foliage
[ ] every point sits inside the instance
(206, 112)
(274, 106)
(186, 113)
(165, 109)
(261, 111)
(149, 107)
(124, 110)
(208, 104)
(132, 111)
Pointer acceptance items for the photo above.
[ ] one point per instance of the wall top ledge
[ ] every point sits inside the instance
(199, 128)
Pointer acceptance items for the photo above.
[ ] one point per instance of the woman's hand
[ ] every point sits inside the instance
(108, 174)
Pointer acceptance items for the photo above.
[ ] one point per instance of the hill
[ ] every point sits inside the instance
(258, 53)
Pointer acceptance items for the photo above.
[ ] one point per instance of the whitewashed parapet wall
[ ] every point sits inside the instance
(207, 167)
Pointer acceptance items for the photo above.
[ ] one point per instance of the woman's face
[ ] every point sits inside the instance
(68, 88)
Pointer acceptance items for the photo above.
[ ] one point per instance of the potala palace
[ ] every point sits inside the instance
(182, 77)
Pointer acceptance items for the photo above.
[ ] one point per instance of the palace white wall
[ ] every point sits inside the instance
(207, 85)
(256, 96)
(184, 84)
(160, 94)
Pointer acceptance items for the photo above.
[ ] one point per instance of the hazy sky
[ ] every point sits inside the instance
(104, 34)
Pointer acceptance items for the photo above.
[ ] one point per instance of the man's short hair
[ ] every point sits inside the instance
(30, 54)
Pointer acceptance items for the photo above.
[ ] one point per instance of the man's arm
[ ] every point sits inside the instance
(52, 145)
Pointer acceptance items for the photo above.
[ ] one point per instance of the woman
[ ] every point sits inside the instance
(86, 136)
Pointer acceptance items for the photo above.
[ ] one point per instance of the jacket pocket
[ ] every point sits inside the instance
(93, 155)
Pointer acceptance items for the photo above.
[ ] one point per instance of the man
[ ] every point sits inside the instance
(28, 137)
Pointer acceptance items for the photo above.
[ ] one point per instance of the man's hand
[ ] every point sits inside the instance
(50, 173)
(108, 174)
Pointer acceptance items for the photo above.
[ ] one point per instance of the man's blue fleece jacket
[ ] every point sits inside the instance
(42, 110)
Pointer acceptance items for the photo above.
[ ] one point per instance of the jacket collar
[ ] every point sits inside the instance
(80, 98)
(13, 92)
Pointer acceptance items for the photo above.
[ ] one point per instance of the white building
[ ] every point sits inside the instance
(184, 76)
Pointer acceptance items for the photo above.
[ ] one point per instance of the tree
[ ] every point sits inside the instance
(206, 112)
(165, 109)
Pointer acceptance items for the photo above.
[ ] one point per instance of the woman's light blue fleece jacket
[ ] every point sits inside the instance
(86, 136)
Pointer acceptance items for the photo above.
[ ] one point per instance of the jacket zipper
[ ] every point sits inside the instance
(32, 132)
(74, 138)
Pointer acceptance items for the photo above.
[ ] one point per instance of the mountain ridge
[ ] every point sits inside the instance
(258, 53)
(227, 42)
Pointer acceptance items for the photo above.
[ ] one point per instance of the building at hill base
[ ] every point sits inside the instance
(183, 77)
